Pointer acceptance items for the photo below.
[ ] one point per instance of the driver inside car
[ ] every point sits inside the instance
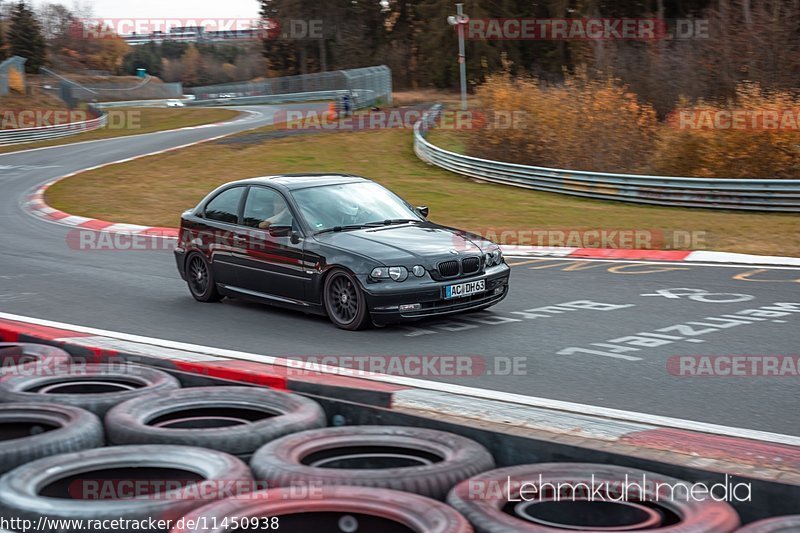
(281, 215)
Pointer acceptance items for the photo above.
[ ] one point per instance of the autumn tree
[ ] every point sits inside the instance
(192, 66)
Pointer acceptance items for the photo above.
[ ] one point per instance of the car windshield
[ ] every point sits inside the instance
(351, 205)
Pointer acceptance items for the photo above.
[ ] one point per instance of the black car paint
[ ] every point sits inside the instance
(289, 271)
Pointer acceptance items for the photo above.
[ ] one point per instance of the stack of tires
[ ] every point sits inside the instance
(127, 443)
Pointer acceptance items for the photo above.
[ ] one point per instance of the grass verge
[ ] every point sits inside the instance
(138, 192)
(135, 121)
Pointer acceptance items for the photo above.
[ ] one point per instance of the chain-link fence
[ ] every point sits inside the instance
(147, 88)
(366, 86)
(13, 66)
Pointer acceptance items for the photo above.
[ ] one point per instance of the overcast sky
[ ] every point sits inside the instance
(159, 9)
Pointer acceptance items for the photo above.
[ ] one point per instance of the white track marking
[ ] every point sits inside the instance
(671, 263)
(727, 257)
(472, 392)
(121, 137)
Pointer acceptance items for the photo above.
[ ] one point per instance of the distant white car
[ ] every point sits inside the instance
(175, 103)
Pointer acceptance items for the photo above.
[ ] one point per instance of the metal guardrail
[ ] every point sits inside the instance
(46, 133)
(270, 99)
(161, 102)
(360, 98)
(721, 193)
(367, 86)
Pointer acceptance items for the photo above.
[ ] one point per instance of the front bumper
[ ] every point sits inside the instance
(384, 299)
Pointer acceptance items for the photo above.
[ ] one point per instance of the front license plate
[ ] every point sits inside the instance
(464, 289)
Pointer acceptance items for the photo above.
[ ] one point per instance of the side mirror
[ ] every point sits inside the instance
(423, 210)
(280, 231)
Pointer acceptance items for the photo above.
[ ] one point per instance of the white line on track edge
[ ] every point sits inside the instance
(646, 262)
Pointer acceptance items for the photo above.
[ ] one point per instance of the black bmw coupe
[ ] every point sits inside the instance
(337, 245)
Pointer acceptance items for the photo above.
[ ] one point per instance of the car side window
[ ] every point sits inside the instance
(266, 207)
(225, 206)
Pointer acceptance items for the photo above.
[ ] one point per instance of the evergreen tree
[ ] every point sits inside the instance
(25, 37)
(3, 51)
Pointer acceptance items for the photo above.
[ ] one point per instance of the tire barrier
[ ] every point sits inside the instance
(14, 355)
(236, 420)
(780, 524)
(32, 431)
(94, 387)
(90, 484)
(346, 509)
(484, 500)
(422, 461)
(352, 478)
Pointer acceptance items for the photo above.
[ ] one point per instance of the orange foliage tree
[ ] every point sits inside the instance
(756, 134)
(582, 124)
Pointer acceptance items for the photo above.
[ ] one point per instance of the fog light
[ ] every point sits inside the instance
(499, 290)
(410, 307)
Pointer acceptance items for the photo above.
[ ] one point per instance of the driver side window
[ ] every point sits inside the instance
(266, 207)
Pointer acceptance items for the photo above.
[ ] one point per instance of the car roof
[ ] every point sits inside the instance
(302, 181)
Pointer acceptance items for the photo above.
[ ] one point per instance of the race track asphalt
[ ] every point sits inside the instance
(580, 352)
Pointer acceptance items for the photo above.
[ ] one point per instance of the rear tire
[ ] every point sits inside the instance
(200, 279)
(345, 302)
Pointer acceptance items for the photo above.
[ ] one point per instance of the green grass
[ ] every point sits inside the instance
(138, 120)
(140, 193)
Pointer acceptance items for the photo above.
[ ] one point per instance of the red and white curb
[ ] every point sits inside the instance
(689, 443)
(36, 205)
(698, 256)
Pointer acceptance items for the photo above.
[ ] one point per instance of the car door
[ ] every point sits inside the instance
(269, 249)
(220, 224)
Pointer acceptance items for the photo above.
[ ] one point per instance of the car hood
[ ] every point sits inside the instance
(408, 244)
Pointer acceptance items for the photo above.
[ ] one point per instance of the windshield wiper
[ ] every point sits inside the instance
(349, 227)
(399, 221)
(387, 222)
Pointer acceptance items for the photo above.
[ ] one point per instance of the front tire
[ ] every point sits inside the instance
(201, 280)
(345, 302)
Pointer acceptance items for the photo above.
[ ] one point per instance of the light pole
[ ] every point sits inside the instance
(460, 20)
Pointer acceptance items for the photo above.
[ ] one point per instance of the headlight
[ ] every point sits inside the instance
(398, 273)
(495, 257)
(419, 271)
(379, 273)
